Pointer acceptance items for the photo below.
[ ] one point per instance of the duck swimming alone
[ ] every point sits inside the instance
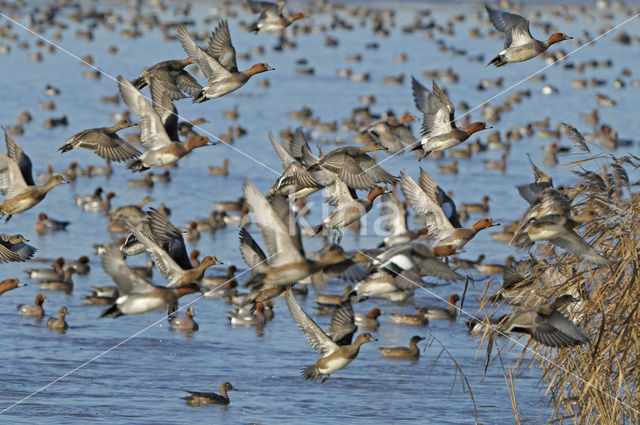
(199, 399)
(519, 45)
(412, 352)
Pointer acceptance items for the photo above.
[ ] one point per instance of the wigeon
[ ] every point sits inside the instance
(218, 64)
(519, 45)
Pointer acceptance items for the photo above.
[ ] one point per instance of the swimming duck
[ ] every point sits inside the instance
(519, 45)
(83, 199)
(60, 323)
(368, 320)
(65, 284)
(161, 150)
(412, 352)
(33, 310)
(218, 64)
(9, 284)
(104, 141)
(81, 265)
(546, 325)
(334, 356)
(57, 272)
(271, 18)
(13, 248)
(186, 323)
(196, 398)
(439, 131)
(423, 199)
(439, 313)
(171, 73)
(46, 224)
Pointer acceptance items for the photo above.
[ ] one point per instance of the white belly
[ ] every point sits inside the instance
(334, 365)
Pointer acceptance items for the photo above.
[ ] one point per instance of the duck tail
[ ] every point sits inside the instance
(112, 311)
(497, 61)
(254, 28)
(310, 373)
(136, 166)
(139, 83)
(200, 97)
(65, 148)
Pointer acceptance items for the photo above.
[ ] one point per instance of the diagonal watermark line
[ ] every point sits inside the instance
(129, 338)
(146, 97)
(509, 337)
(417, 142)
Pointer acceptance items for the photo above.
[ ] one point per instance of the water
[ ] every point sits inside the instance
(140, 381)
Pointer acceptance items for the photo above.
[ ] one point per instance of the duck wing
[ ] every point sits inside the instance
(211, 68)
(12, 182)
(128, 281)
(153, 135)
(425, 203)
(343, 325)
(16, 153)
(515, 27)
(221, 48)
(317, 339)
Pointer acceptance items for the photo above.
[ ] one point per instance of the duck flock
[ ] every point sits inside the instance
(272, 227)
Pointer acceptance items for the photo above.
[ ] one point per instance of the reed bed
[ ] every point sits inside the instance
(595, 383)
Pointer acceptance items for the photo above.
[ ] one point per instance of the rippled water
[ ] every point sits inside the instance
(140, 380)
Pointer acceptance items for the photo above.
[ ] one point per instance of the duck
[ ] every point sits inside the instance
(101, 205)
(412, 352)
(519, 45)
(334, 356)
(186, 323)
(208, 283)
(546, 325)
(497, 165)
(423, 199)
(17, 181)
(95, 197)
(166, 265)
(104, 141)
(46, 224)
(391, 133)
(439, 131)
(249, 315)
(13, 248)
(409, 319)
(368, 320)
(196, 398)
(439, 313)
(220, 171)
(352, 165)
(296, 182)
(219, 63)
(9, 284)
(549, 218)
(35, 310)
(482, 207)
(173, 77)
(542, 180)
(60, 323)
(57, 272)
(81, 265)
(271, 18)
(65, 284)
(161, 150)
(139, 303)
(348, 210)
